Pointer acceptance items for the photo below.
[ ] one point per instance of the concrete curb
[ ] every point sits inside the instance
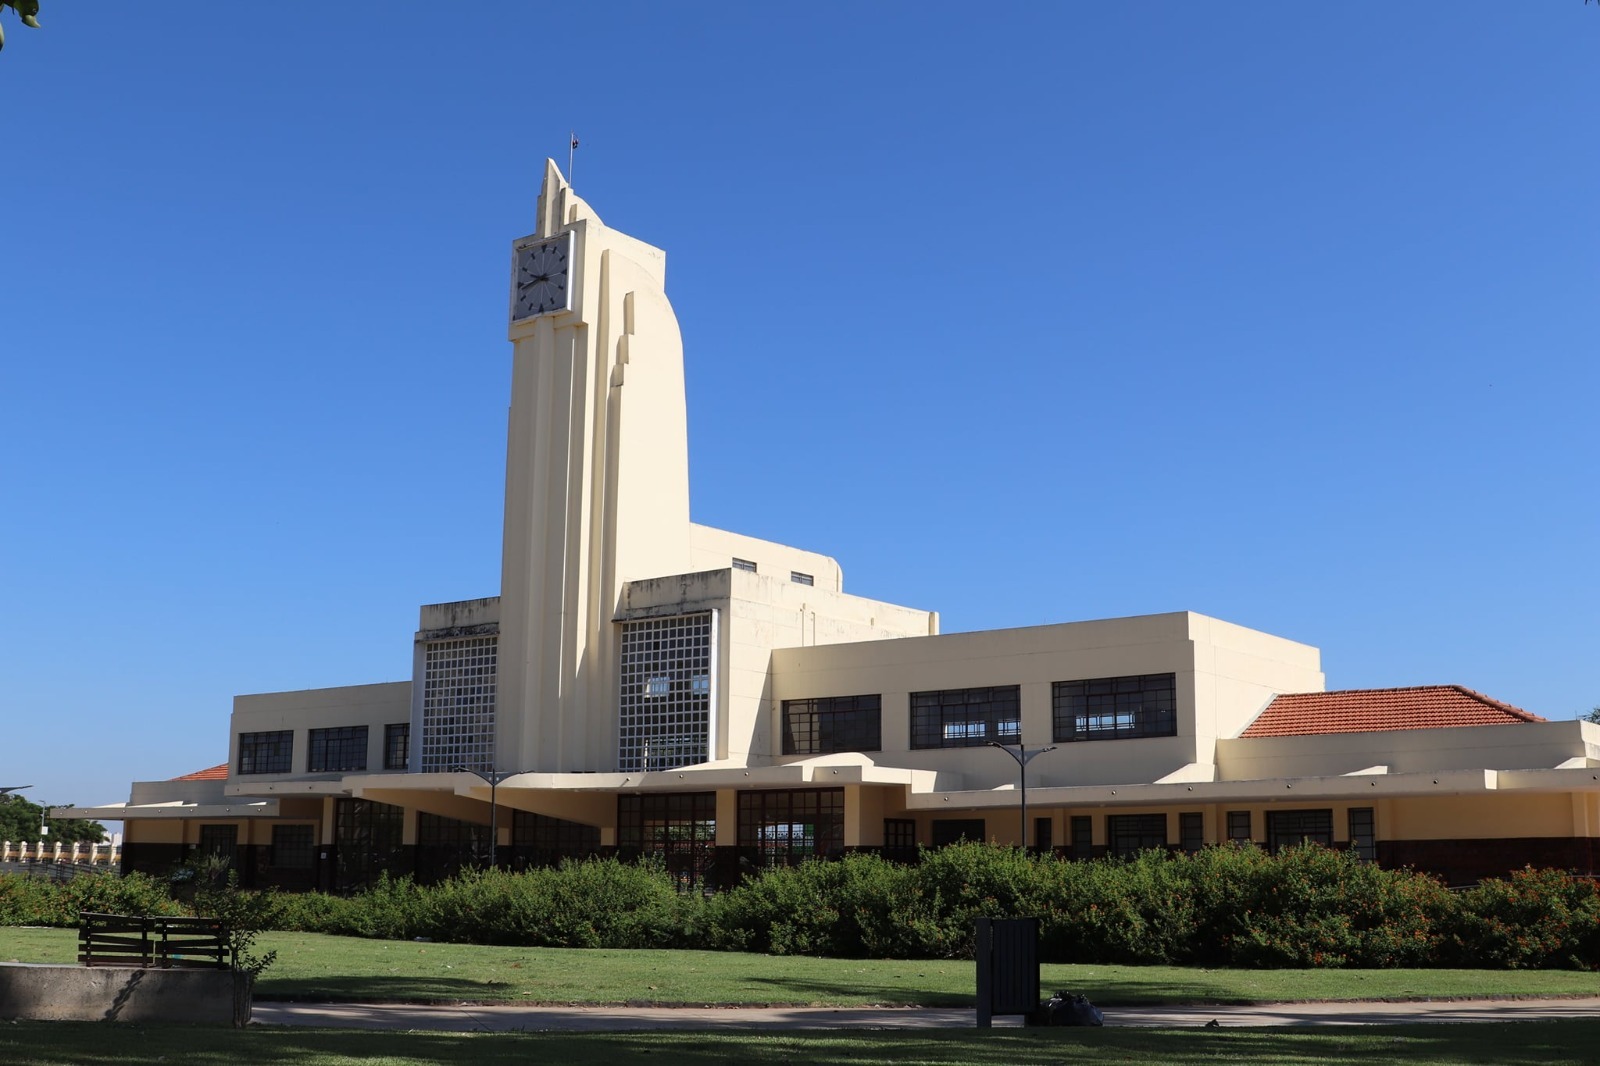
(479, 1018)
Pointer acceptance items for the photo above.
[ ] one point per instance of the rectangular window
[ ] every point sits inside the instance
(292, 846)
(219, 840)
(1116, 708)
(1082, 836)
(334, 750)
(446, 846)
(666, 692)
(801, 579)
(367, 841)
(966, 717)
(783, 828)
(1364, 833)
(1288, 828)
(1191, 831)
(899, 834)
(397, 746)
(1129, 834)
(678, 827)
(1239, 827)
(832, 723)
(744, 564)
(266, 753)
(458, 694)
(543, 840)
(951, 830)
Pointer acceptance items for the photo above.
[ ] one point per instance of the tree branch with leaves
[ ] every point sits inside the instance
(27, 9)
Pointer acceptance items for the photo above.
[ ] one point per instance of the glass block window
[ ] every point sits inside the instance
(1129, 834)
(343, 748)
(785, 827)
(679, 827)
(543, 840)
(458, 689)
(1082, 836)
(266, 753)
(666, 692)
(1191, 831)
(966, 717)
(293, 846)
(1364, 833)
(367, 840)
(397, 746)
(1116, 708)
(1239, 827)
(951, 830)
(1288, 828)
(832, 723)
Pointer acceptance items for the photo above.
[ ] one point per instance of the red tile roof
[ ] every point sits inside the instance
(1362, 710)
(214, 773)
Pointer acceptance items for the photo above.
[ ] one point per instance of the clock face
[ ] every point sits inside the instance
(542, 283)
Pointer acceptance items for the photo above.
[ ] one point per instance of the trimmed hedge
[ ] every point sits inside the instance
(1223, 906)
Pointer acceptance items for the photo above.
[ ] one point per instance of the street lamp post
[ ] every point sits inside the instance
(1023, 756)
(494, 777)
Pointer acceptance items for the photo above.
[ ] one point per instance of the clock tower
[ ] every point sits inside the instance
(597, 476)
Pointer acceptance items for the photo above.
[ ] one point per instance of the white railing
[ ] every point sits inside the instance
(77, 853)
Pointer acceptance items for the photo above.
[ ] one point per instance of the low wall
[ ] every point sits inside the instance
(41, 992)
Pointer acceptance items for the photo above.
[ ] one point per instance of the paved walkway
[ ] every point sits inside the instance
(468, 1018)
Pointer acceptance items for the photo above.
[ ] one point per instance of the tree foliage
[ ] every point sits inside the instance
(27, 9)
(20, 820)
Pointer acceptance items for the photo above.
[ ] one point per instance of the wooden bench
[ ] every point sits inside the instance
(153, 942)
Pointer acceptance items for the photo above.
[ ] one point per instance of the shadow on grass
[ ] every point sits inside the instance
(1512, 1044)
(375, 989)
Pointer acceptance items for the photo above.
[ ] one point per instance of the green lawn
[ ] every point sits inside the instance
(311, 966)
(1510, 1044)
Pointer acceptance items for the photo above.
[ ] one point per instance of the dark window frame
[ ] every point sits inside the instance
(270, 752)
(947, 831)
(1081, 834)
(900, 834)
(397, 746)
(1132, 707)
(1129, 834)
(1239, 829)
(823, 725)
(1312, 825)
(1363, 825)
(1191, 831)
(294, 847)
(784, 827)
(966, 717)
(337, 749)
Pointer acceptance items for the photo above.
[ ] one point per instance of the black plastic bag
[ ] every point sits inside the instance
(1067, 1008)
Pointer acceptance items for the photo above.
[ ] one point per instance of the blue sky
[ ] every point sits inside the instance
(1283, 313)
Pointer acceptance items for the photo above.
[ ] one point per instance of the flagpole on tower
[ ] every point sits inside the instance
(572, 150)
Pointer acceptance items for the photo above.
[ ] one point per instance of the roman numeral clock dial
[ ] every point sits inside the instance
(541, 281)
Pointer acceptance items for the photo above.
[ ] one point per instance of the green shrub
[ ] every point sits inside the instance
(37, 901)
(1534, 919)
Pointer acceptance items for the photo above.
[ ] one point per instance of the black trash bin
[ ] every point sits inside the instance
(1008, 967)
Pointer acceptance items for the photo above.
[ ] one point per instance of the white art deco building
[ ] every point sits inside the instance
(646, 684)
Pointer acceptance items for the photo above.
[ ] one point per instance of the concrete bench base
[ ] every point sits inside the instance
(40, 992)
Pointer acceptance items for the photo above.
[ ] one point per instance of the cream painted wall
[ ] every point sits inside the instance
(373, 706)
(1223, 673)
(715, 549)
(1525, 745)
(1479, 817)
(597, 488)
(756, 614)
